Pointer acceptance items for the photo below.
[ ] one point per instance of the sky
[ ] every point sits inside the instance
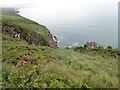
(52, 3)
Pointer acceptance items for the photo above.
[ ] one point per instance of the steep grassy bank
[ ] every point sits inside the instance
(17, 26)
(29, 66)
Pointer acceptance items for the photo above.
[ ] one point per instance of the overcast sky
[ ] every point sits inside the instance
(47, 3)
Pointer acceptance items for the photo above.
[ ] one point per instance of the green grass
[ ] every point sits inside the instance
(33, 66)
(30, 66)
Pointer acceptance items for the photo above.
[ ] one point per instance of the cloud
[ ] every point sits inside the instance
(51, 3)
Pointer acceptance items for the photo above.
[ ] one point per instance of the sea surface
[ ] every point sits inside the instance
(76, 24)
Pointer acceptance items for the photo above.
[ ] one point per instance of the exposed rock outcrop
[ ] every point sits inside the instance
(30, 37)
(11, 31)
(52, 42)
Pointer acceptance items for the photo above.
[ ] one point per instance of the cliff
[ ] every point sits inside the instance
(20, 28)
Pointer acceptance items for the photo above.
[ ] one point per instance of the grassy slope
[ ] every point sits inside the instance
(10, 17)
(32, 66)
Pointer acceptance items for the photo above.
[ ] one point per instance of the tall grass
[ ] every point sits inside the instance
(33, 66)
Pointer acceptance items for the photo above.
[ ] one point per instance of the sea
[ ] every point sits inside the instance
(74, 24)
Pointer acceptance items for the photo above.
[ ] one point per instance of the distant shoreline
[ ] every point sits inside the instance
(54, 36)
(74, 44)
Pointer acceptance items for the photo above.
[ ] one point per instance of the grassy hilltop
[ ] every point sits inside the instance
(27, 65)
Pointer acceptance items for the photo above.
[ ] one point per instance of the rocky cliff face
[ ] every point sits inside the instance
(30, 37)
(52, 42)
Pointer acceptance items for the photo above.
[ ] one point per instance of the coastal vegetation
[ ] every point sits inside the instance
(28, 64)
(92, 49)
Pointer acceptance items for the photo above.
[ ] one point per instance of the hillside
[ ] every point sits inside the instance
(26, 64)
(17, 26)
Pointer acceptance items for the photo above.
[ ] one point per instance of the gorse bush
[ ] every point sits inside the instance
(90, 45)
(109, 47)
